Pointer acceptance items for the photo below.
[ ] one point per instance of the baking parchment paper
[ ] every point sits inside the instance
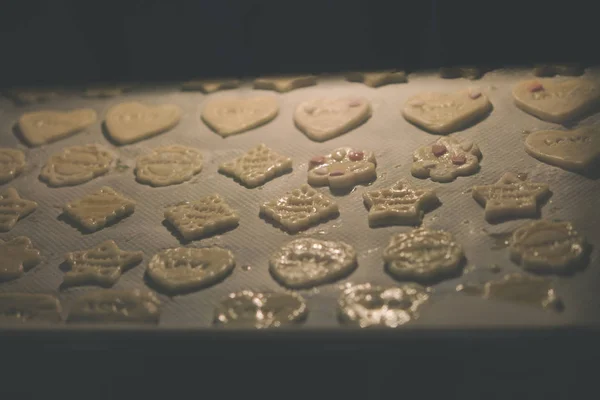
(500, 136)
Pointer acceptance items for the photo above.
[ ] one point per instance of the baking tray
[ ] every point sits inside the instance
(500, 137)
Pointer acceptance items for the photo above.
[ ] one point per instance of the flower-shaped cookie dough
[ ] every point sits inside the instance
(446, 159)
(342, 169)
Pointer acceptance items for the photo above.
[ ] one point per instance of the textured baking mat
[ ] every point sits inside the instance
(500, 137)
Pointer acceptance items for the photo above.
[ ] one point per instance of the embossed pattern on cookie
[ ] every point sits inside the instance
(300, 209)
(446, 159)
(258, 166)
(94, 211)
(168, 165)
(13, 208)
(16, 257)
(76, 164)
(133, 121)
(116, 306)
(203, 217)
(12, 163)
(40, 127)
(29, 308)
(231, 115)
(342, 169)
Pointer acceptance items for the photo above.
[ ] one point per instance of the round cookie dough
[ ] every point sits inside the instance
(168, 165)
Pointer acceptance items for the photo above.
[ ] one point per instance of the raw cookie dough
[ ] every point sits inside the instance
(285, 83)
(558, 69)
(444, 113)
(368, 305)
(466, 72)
(510, 197)
(400, 204)
(209, 86)
(40, 127)
(184, 268)
(106, 91)
(203, 217)
(101, 265)
(16, 257)
(30, 96)
(342, 169)
(112, 305)
(547, 246)
(300, 209)
(12, 163)
(230, 115)
(517, 288)
(131, 122)
(423, 255)
(94, 211)
(258, 166)
(29, 308)
(377, 78)
(76, 165)
(555, 99)
(325, 118)
(304, 263)
(168, 165)
(575, 150)
(446, 159)
(248, 309)
(13, 208)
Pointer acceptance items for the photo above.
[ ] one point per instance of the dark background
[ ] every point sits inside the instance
(69, 41)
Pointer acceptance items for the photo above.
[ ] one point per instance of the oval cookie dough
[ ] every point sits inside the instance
(306, 262)
(247, 309)
(423, 255)
(368, 305)
(114, 306)
(185, 268)
(76, 165)
(168, 165)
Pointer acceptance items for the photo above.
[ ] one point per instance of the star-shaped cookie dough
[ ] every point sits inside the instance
(300, 209)
(16, 257)
(510, 197)
(94, 211)
(285, 83)
(377, 78)
(13, 208)
(101, 265)
(400, 204)
(203, 217)
(211, 85)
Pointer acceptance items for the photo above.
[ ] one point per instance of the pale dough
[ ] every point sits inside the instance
(400, 204)
(131, 122)
(16, 257)
(325, 118)
(230, 115)
(101, 265)
(423, 255)
(305, 262)
(576, 150)
(76, 165)
(377, 78)
(184, 268)
(369, 305)
(466, 72)
(558, 69)
(13, 208)
(30, 96)
(547, 246)
(510, 197)
(555, 99)
(446, 159)
(300, 209)
(105, 91)
(168, 165)
(258, 166)
(29, 308)
(12, 163)
(40, 127)
(94, 211)
(203, 217)
(284, 83)
(114, 306)
(342, 169)
(209, 86)
(247, 309)
(444, 113)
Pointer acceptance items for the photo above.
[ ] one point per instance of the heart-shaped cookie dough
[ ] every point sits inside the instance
(42, 127)
(131, 122)
(443, 113)
(230, 115)
(557, 100)
(325, 118)
(573, 150)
